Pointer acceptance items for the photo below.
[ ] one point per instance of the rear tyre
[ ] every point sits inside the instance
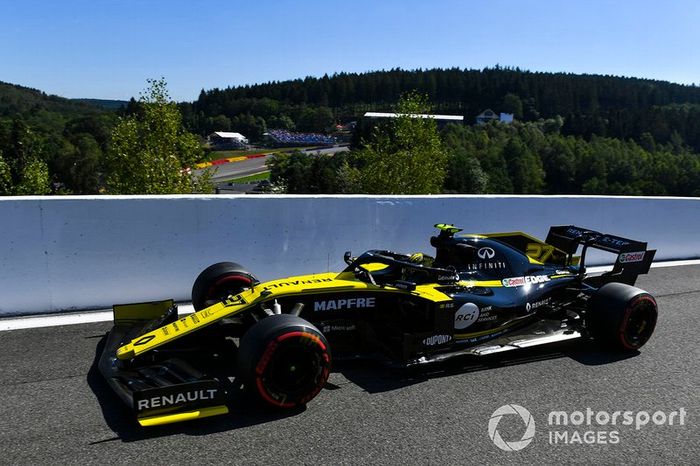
(218, 281)
(284, 361)
(622, 317)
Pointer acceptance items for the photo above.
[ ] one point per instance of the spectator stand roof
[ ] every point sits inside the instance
(227, 135)
(414, 115)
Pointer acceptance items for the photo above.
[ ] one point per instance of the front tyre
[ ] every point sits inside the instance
(219, 281)
(622, 317)
(284, 360)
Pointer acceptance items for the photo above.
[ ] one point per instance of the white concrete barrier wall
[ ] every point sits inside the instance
(69, 253)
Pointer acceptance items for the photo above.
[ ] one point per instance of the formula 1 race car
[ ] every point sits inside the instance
(481, 294)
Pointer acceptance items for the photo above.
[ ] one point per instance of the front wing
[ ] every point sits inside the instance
(159, 392)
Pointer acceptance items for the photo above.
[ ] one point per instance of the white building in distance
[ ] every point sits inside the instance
(227, 140)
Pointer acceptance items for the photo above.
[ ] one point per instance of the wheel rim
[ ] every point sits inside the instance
(293, 369)
(639, 322)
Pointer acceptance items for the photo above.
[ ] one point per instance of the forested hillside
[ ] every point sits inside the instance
(573, 133)
(19, 100)
(605, 106)
(50, 143)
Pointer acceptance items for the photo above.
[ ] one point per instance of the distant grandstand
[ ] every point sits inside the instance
(279, 137)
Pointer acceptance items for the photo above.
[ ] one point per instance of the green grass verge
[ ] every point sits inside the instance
(251, 178)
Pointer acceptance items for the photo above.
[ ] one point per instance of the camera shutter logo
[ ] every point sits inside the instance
(486, 253)
(509, 410)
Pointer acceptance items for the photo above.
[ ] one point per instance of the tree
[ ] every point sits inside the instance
(22, 170)
(280, 122)
(494, 164)
(5, 178)
(249, 126)
(218, 123)
(315, 120)
(150, 151)
(34, 179)
(302, 173)
(524, 167)
(464, 174)
(512, 104)
(21, 148)
(80, 170)
(98, 126)
(291, 170)
(559, 163)
(406, 155)
(646, 140)
(464, 171)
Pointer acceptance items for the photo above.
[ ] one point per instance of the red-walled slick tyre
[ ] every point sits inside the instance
(284, 360)
(622, 317)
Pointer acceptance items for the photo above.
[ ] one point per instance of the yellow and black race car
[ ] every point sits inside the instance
(481, 294)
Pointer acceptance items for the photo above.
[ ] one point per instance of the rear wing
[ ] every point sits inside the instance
(633, 257)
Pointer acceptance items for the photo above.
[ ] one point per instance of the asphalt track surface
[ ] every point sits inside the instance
(243, 168)
(55, 408)
(239, 169)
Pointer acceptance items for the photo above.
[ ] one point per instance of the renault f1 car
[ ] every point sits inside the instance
(481, 294)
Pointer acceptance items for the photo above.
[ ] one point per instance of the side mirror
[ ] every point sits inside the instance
(347, 257)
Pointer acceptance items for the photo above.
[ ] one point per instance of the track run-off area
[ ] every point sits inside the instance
(56, 408)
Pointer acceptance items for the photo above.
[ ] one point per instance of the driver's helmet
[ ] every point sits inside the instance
(422, 259)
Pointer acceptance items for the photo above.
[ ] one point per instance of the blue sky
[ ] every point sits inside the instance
(108, 48)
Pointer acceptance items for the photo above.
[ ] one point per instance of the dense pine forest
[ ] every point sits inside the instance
(607, 106)
(573, 133)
